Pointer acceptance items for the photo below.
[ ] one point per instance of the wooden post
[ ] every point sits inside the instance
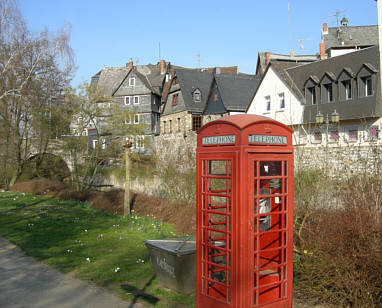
(126, 203)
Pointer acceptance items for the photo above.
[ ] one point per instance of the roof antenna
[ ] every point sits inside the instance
(290, 31)
(159, 51)
(336, 15)
(199, 60)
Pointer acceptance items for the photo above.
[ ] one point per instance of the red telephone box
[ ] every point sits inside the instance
(244, 220)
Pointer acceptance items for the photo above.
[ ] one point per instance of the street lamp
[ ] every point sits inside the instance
(320, 119)
(126, 204)
(334, 118)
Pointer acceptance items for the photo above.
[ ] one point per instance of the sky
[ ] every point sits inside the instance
(107, 33)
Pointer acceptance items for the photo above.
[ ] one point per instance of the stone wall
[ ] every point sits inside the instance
(345, 160)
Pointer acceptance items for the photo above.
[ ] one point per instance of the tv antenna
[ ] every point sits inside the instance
(337, 16)
(198, 59)
(300, 40)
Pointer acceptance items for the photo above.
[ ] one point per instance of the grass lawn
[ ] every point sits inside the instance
(105, 249)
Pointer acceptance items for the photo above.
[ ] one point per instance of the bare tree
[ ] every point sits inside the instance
(34, 71)
(94, 111)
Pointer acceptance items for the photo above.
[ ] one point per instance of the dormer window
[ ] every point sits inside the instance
(367, 85)
(197, 96)
(327, 87)
(311, 91)
(312, 95)
(329, 92)
(345, 85)
(132, 82)
(366, 80)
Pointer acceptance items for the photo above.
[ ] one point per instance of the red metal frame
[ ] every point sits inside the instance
(244, 213)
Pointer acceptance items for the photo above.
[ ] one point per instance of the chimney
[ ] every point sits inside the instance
(322, 50)
(130, 64)
(162, 66)
(267, 57)
(325, 28)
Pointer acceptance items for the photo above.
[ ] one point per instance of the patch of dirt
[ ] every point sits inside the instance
(111, 200)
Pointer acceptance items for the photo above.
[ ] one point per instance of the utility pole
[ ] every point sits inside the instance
(126, 203)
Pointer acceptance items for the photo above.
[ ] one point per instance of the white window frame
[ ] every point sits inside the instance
(348, 134)
(267, 103)
(140, 142)
(138, 99)
(281, 100)
(372, 138)
(132, 82)
(95, 141)
(136, 116)
(348, 89)
(330, 139)
(127, 100)
(368, 86)
(313, 134)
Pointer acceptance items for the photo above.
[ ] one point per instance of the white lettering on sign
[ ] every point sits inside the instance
(267, 139)
(226, 139)
(166, 267)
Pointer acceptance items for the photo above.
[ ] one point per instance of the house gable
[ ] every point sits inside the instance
(214, 103)
(174, 103)
(284, 105)
(133, 83)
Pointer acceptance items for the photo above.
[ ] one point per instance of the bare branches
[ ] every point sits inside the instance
(34, 71)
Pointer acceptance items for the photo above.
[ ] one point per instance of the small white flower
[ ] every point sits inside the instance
(69, 251)
(116, 269)
(120, 237)
(86, 230)
(88, 259)
(100, 236)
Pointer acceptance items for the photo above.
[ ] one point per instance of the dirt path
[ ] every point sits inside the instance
(27, 283)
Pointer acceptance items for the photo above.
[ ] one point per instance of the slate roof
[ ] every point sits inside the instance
(274, 57)
(110, 78)
(237, 90)
(280, 69)
(361, 36)
(335, 65)
(189, 80)
(358, 107)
